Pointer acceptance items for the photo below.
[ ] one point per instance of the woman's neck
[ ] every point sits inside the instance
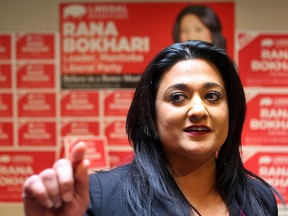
(195, 178)
(197, 182)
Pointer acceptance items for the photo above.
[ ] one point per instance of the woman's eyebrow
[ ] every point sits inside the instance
(184, 87)
(180, 86)
(213, 84)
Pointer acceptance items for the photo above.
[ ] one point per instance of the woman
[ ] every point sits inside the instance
(198, 22)
(185, 125)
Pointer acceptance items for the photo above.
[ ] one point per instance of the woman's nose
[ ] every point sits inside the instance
(197, 110)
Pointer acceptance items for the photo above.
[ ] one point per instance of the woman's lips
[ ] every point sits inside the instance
(197, 130)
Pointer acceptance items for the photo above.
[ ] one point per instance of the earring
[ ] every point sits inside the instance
(217, 153)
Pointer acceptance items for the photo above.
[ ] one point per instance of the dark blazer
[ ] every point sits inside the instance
(107, 195)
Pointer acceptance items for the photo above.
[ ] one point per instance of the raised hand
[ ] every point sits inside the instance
(60, 190)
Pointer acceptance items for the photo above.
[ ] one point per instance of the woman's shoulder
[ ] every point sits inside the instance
(119, 170)
(106, 191)
(110, 176)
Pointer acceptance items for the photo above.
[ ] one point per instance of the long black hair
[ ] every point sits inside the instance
(149, 181)
(208, 17)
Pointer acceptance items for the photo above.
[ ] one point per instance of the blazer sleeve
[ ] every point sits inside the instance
(107, 194)
(96, 194)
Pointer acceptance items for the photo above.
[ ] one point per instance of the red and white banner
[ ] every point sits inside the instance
(72, 127)
(80, 103)
(271, 164)
(263, 59)
(267, 118)
(37, 133)
(115, 132)
(117, 102)
(35, 46)
(108, 45)
(32, 104)
(16, 166)
(96, 153)
(31, 75)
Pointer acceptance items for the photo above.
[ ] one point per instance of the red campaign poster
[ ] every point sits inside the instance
(96, 152)
(267, 119)
(6, 109)
(108, 45)
(80, 103)
(5, 76)
(6, 134)
(116, 133)
(117, 102)
(118, 158)
(31, 46)
(263, 59)
(36, 104)
(16, 166)
(271, 165)
(5, 46)
(79, 128)
(35, 75)
(36, 133)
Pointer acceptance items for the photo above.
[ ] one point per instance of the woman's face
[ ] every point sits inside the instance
(192, 28)
(191, 110)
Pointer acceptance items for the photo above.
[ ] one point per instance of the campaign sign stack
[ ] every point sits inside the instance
(263, 65)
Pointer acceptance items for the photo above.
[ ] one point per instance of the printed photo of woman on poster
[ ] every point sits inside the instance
(198, 22)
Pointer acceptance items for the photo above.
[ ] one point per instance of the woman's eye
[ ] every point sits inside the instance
(213, 96)
(177, 97)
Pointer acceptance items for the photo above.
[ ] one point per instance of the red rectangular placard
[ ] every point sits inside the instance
(33, 104)
(263, 59)
(96, 152)
(35, 46)
(108, 45)
(266, 122)
(270, 164)
(79, 103)
(36, 133)
(35, 75)
(16, 166)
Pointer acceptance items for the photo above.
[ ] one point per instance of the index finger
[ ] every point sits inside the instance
(78, 153)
